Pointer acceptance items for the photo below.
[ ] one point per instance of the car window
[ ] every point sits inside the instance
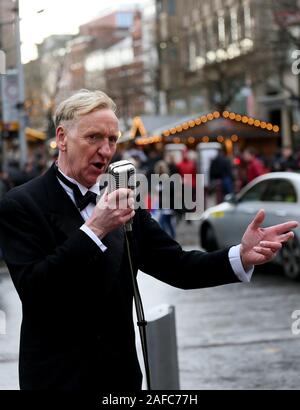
(280, 190)
(255, 193)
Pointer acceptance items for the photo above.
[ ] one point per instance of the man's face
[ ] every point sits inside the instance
(88, 143)
(287, 152)
(247, 156)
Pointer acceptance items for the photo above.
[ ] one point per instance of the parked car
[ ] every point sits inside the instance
(278, 193)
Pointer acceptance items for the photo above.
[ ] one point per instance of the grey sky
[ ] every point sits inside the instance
(58, 17)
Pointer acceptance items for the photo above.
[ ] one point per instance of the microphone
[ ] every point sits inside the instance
(122, 174)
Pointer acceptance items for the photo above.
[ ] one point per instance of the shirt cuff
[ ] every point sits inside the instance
(237, 266)
(94, 237)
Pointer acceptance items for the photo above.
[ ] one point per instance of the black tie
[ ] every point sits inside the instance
(81, 201)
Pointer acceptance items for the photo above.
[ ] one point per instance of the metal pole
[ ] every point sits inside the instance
(22, 114)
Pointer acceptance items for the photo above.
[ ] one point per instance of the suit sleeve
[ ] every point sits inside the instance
(32, 267)
(164, 259)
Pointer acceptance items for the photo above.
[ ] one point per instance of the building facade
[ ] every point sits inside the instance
(7, 32)
(225, 54)
(119, 71)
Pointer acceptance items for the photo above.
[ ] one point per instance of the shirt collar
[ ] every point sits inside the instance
(83, 189)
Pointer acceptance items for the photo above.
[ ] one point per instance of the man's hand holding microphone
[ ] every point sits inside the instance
(112, 211)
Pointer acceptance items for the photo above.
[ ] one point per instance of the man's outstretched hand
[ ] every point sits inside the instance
(260, 245)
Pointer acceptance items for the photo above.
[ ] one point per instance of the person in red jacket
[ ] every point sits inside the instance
(255, 167)
(187, 168)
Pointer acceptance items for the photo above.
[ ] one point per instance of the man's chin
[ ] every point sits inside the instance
(92, 179)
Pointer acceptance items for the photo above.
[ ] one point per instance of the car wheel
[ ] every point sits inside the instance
(290, 259)
(208, 238)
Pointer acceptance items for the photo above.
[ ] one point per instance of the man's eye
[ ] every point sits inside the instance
(92, 137)
(113, 139)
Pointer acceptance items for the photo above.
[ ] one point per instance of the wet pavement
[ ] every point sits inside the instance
(230, 337)
(235, 336)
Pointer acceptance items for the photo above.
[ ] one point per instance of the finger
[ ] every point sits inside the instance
(124, 212)
(131, 203)
(285, 227)
(258, 220)
(103, 200)
(123, 193)
(118, 199)
(274, 246)
(104, 194)
(127, 217)
(119, 193)
(286, 237)
(264, 251)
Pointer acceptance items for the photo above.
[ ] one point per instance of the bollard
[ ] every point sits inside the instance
(162, 348)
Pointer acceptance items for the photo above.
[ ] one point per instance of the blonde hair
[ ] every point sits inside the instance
(81, 103)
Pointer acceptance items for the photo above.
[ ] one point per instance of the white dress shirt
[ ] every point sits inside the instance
(233, 254)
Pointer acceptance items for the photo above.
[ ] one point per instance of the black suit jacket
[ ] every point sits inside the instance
(77, 329)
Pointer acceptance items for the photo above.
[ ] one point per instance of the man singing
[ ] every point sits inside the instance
(67, 258)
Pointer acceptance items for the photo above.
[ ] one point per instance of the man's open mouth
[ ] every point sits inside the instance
(99, 165)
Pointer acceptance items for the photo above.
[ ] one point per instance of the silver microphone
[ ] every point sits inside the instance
(122, 174)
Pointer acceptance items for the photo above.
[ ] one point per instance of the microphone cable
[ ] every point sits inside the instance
(141, 322)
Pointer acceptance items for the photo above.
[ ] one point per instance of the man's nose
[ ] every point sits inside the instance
(105, 148)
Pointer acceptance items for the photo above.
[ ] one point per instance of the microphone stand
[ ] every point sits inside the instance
(141, 322)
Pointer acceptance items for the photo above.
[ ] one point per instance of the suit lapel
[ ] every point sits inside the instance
(61, 209)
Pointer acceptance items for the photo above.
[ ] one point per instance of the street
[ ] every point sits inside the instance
(231, 337)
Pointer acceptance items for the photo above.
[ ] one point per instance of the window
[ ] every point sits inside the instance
(124, 19)
(255, 193)
(192, 55)
(171, 7)
(173, 55)
(209, 36)
(280, 190)
(248, 20)
(215, 29)
(241, 21)
(159, 6)
(234, 24)
(228, 31)
(222, 32)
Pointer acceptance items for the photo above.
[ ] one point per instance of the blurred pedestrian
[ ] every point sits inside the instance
(171, 162)
(148, 165)
(15, 173)
(30, 170)
(286, 161)
(165, 189)
(187, 169)
(221, 176)
(255, 166)
(5, 182)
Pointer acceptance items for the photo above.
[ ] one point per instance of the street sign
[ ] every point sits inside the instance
(10, 96)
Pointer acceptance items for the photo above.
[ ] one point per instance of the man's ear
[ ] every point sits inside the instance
(61, 138)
